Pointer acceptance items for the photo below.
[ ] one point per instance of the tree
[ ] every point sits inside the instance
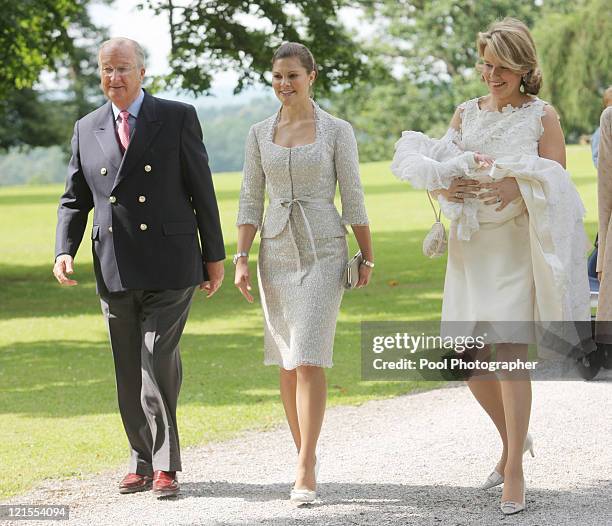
(28, 118)
(428, 48)
(62, 40)
(34, 34)
(435, 40)
(209, 36)
(576, 62)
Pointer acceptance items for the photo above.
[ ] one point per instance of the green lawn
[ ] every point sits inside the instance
(58, 415)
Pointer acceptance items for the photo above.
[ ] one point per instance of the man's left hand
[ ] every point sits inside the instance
(216, 272)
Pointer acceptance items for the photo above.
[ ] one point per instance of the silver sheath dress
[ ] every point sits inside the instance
(303, 249)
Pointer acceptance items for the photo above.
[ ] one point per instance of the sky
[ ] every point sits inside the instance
(122, 18)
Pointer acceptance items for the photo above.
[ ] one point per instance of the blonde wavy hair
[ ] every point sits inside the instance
(512, 44)
(607, 97)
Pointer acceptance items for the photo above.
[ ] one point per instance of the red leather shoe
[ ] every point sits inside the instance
(165, 484)
(133, 483)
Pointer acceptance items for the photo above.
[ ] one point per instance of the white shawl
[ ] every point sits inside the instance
(555, 209)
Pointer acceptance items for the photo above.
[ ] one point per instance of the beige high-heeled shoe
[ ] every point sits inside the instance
(495, 478)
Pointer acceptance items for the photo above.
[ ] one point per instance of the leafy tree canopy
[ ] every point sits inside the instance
(577, 66)
(436, 39)
(34, 34)
(51, 35)
(429, 49)
(217, 35)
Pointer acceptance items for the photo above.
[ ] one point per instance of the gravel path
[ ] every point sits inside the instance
(415, 459)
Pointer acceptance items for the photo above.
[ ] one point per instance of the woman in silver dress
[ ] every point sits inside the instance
(297, 156)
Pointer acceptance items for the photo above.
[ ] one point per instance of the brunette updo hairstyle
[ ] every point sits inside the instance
(299, 51)
(511, 42)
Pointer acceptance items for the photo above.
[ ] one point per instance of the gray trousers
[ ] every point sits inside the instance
(145, 327)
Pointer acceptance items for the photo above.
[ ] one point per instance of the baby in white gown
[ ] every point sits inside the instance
(525, 262)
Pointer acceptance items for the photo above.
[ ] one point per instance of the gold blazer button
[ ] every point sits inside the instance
(103, 171)
(142, 199)
(143, 226)
(147, 168)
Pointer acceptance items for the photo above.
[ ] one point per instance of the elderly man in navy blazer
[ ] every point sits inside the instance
(140, 163)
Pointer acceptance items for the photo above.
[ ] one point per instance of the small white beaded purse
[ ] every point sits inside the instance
(435, 243)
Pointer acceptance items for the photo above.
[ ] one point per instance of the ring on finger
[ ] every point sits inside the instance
(458, 195)
(499, 199)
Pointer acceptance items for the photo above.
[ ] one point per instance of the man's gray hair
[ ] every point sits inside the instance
(118, 41)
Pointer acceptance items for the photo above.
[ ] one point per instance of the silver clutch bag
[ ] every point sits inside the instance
(435, 242)
(351, 272)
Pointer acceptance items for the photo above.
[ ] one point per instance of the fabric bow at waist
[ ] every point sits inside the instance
(311, 203)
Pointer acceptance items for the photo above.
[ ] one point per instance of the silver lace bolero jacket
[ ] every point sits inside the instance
(305, 175)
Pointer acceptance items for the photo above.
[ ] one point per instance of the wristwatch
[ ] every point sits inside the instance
(367, 263)
(239, 255)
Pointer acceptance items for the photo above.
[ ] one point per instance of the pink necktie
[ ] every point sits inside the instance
(124, 129)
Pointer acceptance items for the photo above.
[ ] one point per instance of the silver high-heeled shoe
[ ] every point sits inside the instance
(305, 496)
(495, 478)
(510, 507)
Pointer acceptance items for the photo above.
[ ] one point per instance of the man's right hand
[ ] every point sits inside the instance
(64, 265)
(216, 272)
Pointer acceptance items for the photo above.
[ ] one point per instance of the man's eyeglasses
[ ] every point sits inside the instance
(120, 71)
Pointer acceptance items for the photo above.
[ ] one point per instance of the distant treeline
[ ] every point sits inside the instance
(34, 166)
(408, 70)
(225, 130)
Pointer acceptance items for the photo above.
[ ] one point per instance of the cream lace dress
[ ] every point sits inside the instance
(522, 264)
(490, 277)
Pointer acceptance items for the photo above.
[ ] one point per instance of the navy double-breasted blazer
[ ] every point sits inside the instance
(149, 204)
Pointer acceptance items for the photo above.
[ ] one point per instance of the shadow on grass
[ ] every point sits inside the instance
(71, 378)
(403, 280)
(66, 378)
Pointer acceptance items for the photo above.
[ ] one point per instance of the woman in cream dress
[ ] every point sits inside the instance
(297, 157)
(498, 264)
(491, 276)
